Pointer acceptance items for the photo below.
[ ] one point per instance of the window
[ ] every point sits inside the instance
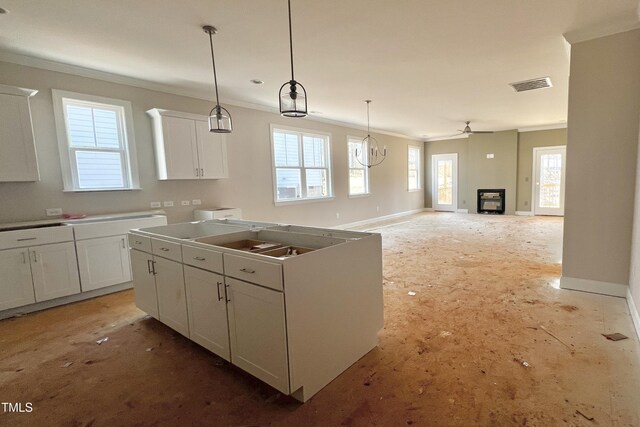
(358, 174)
(95, 137)
(302, 166)
(413, 163)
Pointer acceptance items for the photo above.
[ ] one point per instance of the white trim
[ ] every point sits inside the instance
(594, 286)
(18, 91)
(45, 64)
(378, 219)
(562, 125)
(633, 310)
(446, 138)
(419, 165)
(357, 196)
(356, 140)
(616, 26)
(524, 213)
(462, 211)
(534, 178)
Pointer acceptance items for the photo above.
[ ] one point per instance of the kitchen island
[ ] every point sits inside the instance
(294, 306)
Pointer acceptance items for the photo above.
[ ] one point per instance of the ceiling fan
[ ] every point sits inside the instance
(467, 130)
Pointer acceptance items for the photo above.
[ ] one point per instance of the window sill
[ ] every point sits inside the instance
(101, 190)
(302, 201)
(415, 190)
(357, 196)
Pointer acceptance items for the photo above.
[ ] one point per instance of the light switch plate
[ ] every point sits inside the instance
(184, 203)
(167, 204)
(196, 202)
(54, 211)
(490, 156)
(155, 204)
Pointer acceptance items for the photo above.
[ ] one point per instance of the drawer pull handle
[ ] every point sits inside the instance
(149, 266)
(218, 287)
(199, 258)
(26, 238)
(247, 270)
(138, 242)
(164, 249)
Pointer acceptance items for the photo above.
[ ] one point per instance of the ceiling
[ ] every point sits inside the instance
(428, 65)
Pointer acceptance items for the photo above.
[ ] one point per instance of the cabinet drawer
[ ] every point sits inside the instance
(263, 273)
(166, 249)
(139, 242)
(35, 236)
(203, 258)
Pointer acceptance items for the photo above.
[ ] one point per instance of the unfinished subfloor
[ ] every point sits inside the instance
(467, 349)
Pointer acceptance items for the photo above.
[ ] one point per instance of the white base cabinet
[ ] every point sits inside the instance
(15, 282)
(103, 262)
(258, 332)
(207, 309)
(172, 303)
(146, 295)
(55, 271)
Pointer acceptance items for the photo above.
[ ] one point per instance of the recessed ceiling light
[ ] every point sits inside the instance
(3, 11)
(256, 81)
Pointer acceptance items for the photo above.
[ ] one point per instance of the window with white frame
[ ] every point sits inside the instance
(413, 163)
(95, 137)
(358, 173)
(302, 166)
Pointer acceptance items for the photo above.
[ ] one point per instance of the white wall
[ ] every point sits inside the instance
(248, 187)
(602, 146)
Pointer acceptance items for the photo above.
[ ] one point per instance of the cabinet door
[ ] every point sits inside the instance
(207, 310)
(257, 332)
(172, 304)
(180, 148)
(144, 282)
(103, 262)
(16, 287)
(17, 149)
(55, 271)
(212, 152)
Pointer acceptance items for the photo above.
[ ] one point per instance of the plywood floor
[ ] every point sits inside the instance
(451, 355)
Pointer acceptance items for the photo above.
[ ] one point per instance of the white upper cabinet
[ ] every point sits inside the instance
(18, 160)
(184, 147)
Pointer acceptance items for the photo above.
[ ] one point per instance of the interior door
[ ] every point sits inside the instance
(548, 184)
(445, 182)
(103, 262)
(212, 152)
(55, 271)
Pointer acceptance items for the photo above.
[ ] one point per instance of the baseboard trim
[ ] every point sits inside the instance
(429, 210)
(64, 300)
(594, 286)
(635, 316)
(524, 213)
(463, 211)
(379, 218)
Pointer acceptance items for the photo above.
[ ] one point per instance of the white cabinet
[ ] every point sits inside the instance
(55, 271)
(207, 308)
(172, 303)
(18, 160)
(144, 283)
(16, 285)
(184, 147)
(258, 333)
(103, 262)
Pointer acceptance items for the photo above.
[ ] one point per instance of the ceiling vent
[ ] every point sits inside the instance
(532, 84)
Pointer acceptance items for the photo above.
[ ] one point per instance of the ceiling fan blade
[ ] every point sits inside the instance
(482, 131)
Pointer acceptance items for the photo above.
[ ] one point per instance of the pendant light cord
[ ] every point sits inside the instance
(291, 41)
(368, 131)
(213, 62)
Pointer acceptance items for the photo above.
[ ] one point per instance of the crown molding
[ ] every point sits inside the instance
(628, 23)
(543, 127)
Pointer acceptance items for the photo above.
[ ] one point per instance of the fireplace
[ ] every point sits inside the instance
(491, 201)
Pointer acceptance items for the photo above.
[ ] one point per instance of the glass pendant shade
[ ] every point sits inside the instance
(220, 120)
(293, 99)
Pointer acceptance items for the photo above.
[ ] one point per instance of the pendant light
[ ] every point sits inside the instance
(219, 117)
(293, 96)
(373, 156)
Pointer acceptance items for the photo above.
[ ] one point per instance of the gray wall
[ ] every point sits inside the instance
(634, 273)
(250, 183)
(509, 169)
(527, 141)
(604, 105)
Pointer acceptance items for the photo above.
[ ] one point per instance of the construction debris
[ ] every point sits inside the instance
(102, 340)
(585, 417)
(558, 339)
(615, 337)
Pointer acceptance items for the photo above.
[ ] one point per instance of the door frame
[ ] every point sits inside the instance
(434, 180)
(534, 172)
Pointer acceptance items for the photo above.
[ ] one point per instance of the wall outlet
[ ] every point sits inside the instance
(196, 202)
(167, 204)
(54, 211)
(337, 215)
(490, 156)
(184, 203)
(155, 204)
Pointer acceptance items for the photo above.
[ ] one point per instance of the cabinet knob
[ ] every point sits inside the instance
(164, 249)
